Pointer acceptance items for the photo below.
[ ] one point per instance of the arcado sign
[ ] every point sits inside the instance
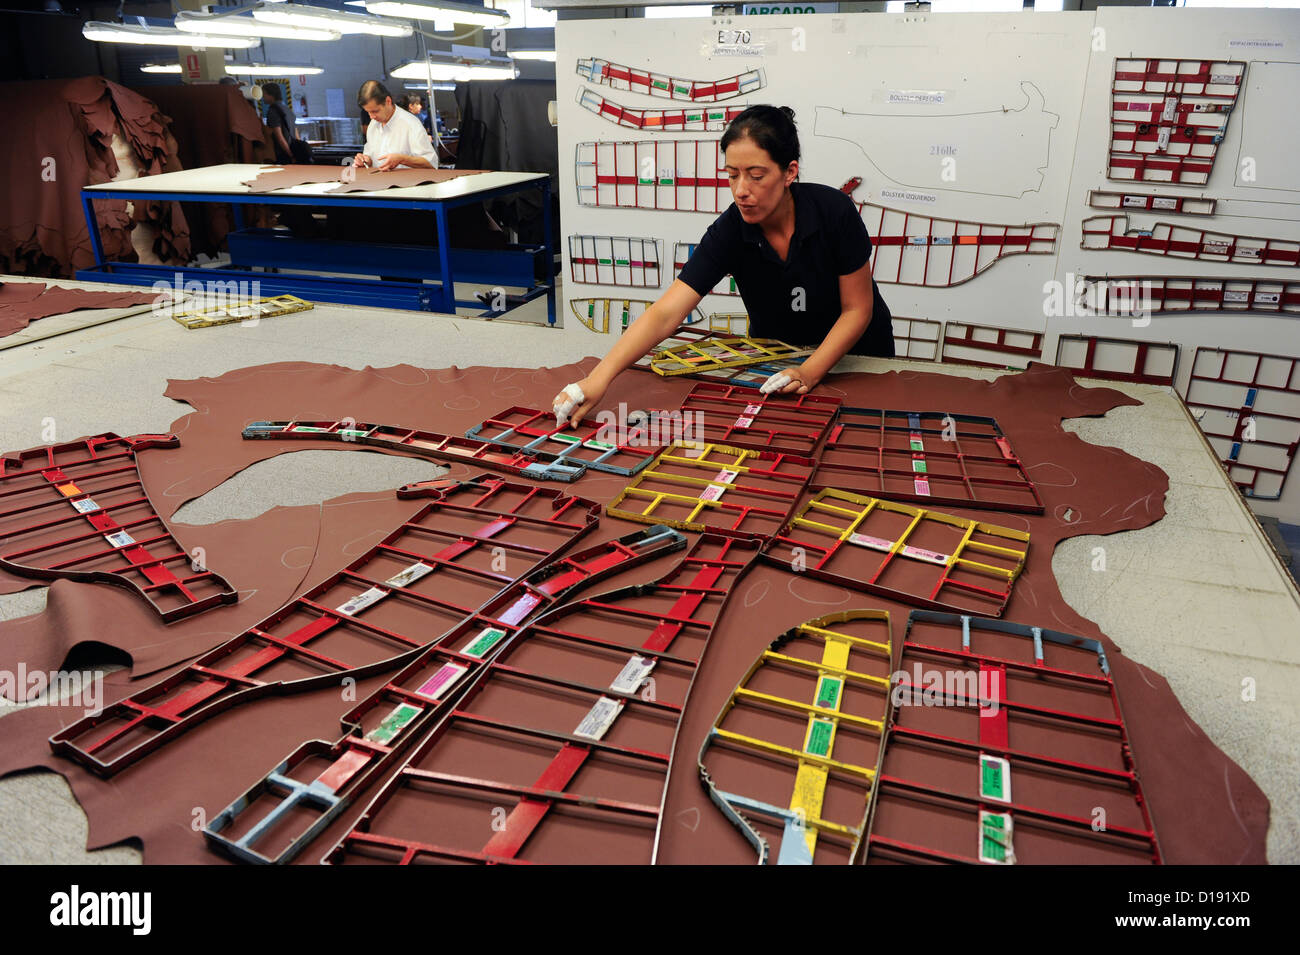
(756, 8)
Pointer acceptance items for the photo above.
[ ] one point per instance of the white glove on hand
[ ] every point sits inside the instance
(776, 382)
(575, 397)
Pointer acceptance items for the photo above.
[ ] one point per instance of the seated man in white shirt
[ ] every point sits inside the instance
(394, 137)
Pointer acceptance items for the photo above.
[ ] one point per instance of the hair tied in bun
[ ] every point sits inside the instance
(771, 127)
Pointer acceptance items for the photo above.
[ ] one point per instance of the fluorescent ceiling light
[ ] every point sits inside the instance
(436, 86)
(444, 10)
(101, 32)
(320, 18)
(548, 55)
(241, 69)
(258, 69)
(228, 25)
(453, 71)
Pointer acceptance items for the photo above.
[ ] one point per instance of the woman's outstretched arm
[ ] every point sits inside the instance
(663, 317)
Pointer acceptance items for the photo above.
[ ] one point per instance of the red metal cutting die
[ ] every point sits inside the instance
(79, 511)
(735, 416)
(355, 622)
(549, 757)
(1042, 701)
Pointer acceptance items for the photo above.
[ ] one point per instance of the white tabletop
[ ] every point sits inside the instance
(229, 179)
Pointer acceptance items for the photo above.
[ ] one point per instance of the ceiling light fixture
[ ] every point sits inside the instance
(225, 24)
(102, 32)
(320, 18)
(440, 10)
(259, 69)
(241, 69)
(547, 55)
(455, 71)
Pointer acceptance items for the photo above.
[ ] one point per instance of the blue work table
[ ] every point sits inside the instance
(290, 258)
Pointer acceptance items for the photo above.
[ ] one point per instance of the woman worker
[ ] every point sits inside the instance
(800, 256)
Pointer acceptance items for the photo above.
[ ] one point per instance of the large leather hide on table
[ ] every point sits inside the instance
(1205, 808)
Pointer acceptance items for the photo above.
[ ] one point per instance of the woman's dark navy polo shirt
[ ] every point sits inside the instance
(829, 240)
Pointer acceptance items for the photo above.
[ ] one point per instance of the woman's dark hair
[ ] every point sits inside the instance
(771, 127)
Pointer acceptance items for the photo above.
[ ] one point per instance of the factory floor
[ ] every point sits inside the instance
(1167, 602)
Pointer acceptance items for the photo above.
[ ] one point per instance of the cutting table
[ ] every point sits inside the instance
(297, 263)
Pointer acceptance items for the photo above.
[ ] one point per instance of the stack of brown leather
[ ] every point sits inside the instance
(213, 124)
(52, 152)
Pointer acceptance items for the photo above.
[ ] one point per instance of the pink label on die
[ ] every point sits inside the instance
(875, 543)
(520, 609)
(444, 678)
(920, 553)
